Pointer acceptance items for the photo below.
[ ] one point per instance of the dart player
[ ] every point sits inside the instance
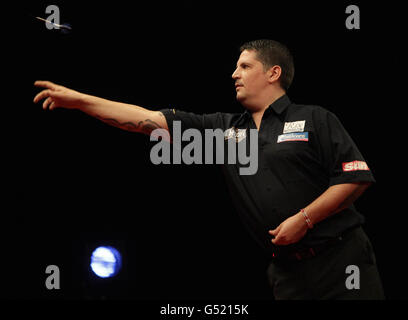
(299, 204)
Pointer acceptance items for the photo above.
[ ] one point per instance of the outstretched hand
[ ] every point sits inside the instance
(57, 96)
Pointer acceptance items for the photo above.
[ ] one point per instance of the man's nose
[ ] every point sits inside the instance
(235, 74)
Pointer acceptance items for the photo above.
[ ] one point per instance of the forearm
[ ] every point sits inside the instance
(334, 199)
(124, 116)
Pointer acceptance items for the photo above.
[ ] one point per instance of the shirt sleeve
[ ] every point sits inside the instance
(339, 154)
(191, 120)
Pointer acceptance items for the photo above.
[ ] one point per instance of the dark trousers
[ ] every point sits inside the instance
(345, 271)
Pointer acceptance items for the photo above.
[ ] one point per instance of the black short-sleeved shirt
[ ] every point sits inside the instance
(302, 151)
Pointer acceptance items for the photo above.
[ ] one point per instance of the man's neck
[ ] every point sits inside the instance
(257, 113)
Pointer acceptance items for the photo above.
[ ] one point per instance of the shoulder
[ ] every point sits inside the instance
(318, 114)
(309, 108)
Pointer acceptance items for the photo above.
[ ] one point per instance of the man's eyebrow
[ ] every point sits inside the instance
(244, 62)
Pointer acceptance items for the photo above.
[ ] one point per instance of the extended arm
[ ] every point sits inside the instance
(124, 116)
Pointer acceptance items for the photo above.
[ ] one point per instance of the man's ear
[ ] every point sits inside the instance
(274, 73)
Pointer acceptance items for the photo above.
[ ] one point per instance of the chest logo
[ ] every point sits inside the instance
(234, 133)
(295, 126)
(301, 136)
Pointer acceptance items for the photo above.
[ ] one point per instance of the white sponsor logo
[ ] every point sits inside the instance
(295, 126)
(237, 134)
(293, 137)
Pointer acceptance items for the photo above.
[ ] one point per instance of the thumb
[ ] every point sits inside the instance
(275, 231)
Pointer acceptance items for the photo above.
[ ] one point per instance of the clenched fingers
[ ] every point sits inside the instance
(275, 231)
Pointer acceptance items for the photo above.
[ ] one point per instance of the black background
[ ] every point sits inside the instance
(73, 182)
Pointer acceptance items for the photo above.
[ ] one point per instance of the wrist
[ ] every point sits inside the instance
(91, 104)
(86, 101)
(306, 218)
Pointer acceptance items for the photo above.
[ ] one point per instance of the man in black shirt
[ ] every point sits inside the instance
(299, 203)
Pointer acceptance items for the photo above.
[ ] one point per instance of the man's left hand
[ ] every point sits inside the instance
(289, 231)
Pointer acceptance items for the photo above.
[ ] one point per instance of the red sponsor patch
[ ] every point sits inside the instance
(355, 166)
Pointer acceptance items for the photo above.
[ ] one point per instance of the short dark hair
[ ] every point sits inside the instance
(271, 53)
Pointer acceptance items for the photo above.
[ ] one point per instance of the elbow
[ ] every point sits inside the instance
(361, 187)
(364, 185)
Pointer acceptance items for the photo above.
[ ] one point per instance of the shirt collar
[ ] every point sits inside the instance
(279, 105)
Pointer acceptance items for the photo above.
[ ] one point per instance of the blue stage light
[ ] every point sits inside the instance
(106, 262)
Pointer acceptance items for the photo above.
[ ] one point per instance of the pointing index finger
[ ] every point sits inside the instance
(45, 84)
